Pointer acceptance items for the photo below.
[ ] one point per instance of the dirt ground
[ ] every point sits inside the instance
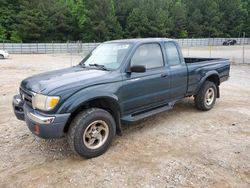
(180, 148)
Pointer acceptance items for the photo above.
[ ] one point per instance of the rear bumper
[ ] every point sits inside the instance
(43, 125)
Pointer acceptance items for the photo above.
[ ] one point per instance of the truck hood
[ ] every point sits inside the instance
(65, 78)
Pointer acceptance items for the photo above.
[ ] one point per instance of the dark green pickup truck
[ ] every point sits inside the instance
(119, 82)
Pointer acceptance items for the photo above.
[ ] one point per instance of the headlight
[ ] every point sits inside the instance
(44, 102)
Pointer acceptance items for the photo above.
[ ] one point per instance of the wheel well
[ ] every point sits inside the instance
(214, 78)
(107, 104)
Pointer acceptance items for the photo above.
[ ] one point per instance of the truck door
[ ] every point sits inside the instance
(178, 71)
(144, 90)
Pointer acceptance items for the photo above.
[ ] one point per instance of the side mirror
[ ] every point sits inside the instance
(138, 68)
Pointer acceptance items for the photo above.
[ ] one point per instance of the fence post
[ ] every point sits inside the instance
(67, 46)
(71, 58)
(244, 34)
(210, 49)
(80, 47)
(53, 48)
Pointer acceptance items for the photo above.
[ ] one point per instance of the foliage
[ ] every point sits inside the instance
(149, 19)
(101, 23)
(100, 20)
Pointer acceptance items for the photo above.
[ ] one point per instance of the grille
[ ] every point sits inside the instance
(26, 96)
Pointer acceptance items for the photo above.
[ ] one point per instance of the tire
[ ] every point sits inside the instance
(206, 97)
(89, 125)
(1, 56)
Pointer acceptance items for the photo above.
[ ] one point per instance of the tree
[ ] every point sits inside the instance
(194, 25)
(150, 19)
(100, 20)
(204, 18)
(2, 34)
(123, 9)
(8, 11)
(234, 13)
(101, 23)
(44, 21)
(137, 24)
(78, 10)
(246, 26)
(179, 18)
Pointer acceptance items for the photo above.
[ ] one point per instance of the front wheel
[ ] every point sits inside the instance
(206, 97)
(91, 132)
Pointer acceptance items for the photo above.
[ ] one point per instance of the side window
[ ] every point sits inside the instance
(173, 57)
(149, 55)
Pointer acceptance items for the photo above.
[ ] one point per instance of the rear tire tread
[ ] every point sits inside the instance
(199, 98)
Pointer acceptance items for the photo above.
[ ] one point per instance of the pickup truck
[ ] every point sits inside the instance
(118, 83)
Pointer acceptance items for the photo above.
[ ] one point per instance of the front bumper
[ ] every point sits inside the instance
(43, 125)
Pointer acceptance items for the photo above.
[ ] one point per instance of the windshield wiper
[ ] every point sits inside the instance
(82, 64)
(98, 66)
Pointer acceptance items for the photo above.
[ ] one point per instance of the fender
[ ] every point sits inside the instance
(78, 99)
(83, 96)
(204, 78)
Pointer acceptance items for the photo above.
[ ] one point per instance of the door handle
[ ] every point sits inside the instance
(164, 75)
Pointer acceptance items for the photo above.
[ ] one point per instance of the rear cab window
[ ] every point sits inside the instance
(172, 53)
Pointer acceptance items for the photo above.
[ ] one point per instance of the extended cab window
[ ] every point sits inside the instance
(173, 57)
(149, 55)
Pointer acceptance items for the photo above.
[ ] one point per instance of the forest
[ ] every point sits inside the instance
(101, 20)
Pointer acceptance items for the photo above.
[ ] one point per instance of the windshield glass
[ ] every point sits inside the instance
(109, 55)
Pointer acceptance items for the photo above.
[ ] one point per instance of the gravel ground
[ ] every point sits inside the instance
(180, 148)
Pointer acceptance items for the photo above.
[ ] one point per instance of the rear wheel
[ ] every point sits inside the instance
(206, 97)
(91, 132)
(1, 56)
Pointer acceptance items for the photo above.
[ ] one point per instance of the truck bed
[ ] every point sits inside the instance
(196, 60)
(198, 67)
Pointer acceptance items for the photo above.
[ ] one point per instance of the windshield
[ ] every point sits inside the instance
(109, 55)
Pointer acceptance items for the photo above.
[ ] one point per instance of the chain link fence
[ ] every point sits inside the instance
(194, 42)
(203, 47)
(79, 47)
(48, 48)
